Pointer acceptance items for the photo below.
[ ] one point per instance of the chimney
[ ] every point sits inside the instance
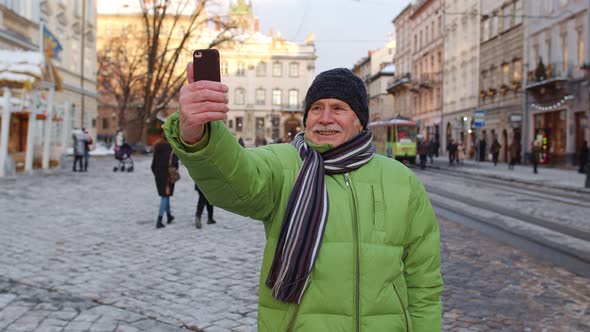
(217, 23)
(256, 24)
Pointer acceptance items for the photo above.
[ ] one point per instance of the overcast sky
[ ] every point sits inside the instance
(344, 29)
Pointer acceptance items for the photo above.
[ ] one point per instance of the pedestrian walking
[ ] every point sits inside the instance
(514, 151)
(87, 143)
(79, 138)
(203, 202)
(452, 151)
(460, 153)
(482, 145)
(164, 162)
(583, 157)
(536, 155)
(432, 147)
(241, 141)
(345, 249)
(423, 151)
(495, 151)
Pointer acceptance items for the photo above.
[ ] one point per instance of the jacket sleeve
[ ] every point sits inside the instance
(243, 181)
(422, 262)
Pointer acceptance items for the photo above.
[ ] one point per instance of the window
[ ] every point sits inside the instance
(293, 98)
(224, 68)
(294, 69)
(260, 96)
(90, 12)
(239, 123)
(494, 26)
(240, 97)
(241, 71)
(548, 46)
(564, 51)
(415, 42)
(507, 16)
(105, 123)
(230, 123)
(517, 73)
(421, 39)
(485, 34)
(261, 69)
(277, 69)
(276, 97)
(581, 46)
(518, 12)
(78, 8)
(505, 73)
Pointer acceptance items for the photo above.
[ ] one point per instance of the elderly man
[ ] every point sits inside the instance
(352, 240)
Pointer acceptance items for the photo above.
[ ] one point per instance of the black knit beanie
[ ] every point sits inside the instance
(341, 84)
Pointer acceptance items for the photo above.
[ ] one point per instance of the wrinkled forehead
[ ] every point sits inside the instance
(332, 102)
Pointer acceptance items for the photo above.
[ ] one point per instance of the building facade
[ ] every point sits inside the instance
(268, 77)
(557, 50)
(71, 25)
(501, 71)
(377, 71)
(461, 71)
(427, 64)
(400, 85)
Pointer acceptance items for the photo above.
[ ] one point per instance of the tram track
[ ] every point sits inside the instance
(552, 239)
(562, 195)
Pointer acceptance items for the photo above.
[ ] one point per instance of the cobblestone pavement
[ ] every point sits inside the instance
(80, 252)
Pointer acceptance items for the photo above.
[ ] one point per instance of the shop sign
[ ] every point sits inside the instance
(479, 119)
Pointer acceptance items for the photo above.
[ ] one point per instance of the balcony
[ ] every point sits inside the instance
(401, 83)
(548, 76)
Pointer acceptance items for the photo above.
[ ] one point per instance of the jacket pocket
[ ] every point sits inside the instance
(378, 209)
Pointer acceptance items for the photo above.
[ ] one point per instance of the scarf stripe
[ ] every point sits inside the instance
(306, 216)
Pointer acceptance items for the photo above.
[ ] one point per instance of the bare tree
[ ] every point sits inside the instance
(171, 27)
(120, 76)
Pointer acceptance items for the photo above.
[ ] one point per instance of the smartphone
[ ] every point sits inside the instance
(206, 65)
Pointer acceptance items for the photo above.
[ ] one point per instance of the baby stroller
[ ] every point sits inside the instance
(123, 155)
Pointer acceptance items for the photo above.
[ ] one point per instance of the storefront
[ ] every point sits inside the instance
(550, 128)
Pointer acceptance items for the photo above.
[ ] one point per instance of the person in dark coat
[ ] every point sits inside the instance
(452, 150)
(514, 150)
(423, 151)
(200, 205)
(583, 157)
(482, 149)
(163, 157)
(495, 151)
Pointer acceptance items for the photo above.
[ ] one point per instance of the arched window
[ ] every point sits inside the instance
(240, 96)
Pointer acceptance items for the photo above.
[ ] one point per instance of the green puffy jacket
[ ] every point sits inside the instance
(379, 264)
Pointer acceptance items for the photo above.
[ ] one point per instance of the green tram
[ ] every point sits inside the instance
(395, 138)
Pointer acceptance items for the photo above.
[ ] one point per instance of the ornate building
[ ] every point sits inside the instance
(70, 26)
(558, 58)
(400, 85)
(377, 70)
(501, 68)
(426, 23)
(461, 71)
(268, 77)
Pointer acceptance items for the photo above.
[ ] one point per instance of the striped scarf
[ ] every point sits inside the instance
(305, 219)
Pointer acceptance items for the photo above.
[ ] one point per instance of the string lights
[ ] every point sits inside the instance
(554, 106)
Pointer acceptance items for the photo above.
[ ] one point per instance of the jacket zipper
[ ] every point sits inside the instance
(357, 253)
(402, 304)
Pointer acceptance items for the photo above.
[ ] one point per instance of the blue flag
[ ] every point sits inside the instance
(51, 45)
